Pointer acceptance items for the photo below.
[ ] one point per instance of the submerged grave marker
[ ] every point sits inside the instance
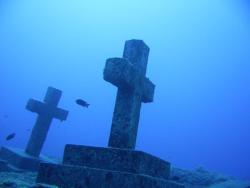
(118, 165)
(128, 74)
(47, 110)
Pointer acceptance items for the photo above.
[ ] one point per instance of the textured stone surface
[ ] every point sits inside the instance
(197, 177)
(117, 160)
(4, 166)
(46, 112)
(67, 176)
(128, 74)
(20, 159)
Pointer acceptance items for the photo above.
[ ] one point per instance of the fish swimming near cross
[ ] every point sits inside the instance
(10, 136)
(82, 103)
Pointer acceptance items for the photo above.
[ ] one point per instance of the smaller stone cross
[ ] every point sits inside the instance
(46, 112)
(129, 75)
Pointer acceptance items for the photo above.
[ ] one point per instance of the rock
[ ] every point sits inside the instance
(39, 186)
(199, 177)
(8, 185)
(3, 166)
(232, 184)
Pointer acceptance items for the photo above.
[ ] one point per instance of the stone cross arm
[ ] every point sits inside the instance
(123, 74)
(44, 109)
(148, 91)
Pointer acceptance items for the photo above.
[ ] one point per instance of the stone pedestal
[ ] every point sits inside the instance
(21, 160)
(95, 167)
(115, 159)
(4, 167)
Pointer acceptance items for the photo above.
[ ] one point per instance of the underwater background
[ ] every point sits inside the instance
(199, 61)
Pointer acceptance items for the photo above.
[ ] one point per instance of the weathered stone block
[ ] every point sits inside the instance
(120, 72)
(3, 166)
(68, 176)
(115, 159)
(21, 160)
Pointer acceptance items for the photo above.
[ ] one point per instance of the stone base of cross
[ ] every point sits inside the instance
(94, 167)
(19, 160)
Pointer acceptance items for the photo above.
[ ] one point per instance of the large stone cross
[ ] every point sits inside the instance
(46, 112)
(129, 75)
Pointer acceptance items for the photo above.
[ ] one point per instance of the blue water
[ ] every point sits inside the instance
(199, 61)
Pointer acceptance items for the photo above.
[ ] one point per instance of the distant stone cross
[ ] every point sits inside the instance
(128, 74)
(46, 112)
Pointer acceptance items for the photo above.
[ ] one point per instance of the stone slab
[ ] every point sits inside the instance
(68, 176)
(124, 160)
(4, 166)
(19, 159)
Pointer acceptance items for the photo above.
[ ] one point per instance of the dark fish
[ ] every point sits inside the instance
(82, 103)
(11, 136)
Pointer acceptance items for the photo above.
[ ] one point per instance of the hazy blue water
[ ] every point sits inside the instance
(199, 61)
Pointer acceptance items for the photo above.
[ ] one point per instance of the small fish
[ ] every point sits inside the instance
(82, 103)
(11, 136)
